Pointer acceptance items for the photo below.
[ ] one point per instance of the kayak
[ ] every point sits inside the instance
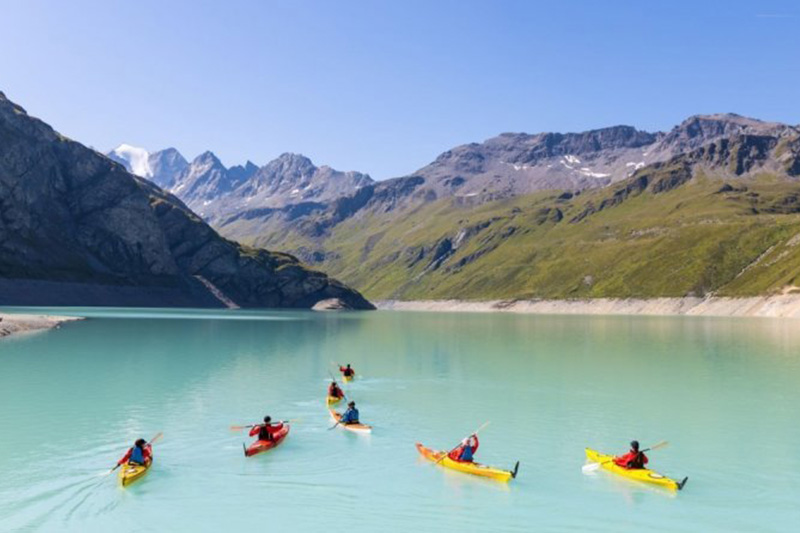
(130, 472)
(347, 379)
(261, 446)
(639, 474)
(334, 399)
(476, 469)
(356, 428)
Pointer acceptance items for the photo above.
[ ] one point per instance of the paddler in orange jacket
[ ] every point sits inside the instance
(267, 430)
(633, 459)
(465, 451)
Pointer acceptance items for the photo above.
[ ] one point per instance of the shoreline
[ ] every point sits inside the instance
(13, 324)
(777, 306)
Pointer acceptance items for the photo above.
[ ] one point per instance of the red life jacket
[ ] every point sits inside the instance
(632, 459)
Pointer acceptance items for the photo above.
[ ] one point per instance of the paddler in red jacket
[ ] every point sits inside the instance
(347, 371)
(465, 451)
(633, 459)
(334, 391)
(140, 454)
(267, 430)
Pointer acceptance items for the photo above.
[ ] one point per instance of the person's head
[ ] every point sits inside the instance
(348, 365)
(635, 445)
(351, 404)
(333, 382)
(140, 443)
(465, 442)
(267, 419)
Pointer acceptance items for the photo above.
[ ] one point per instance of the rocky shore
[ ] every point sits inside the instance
(777, 306)
(11, 324)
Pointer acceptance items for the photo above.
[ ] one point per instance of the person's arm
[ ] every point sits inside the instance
(148, 453)
(645, 460)
(125, 457)
(254, 431)
(476, 444)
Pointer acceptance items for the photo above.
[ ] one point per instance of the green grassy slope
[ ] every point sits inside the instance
(664, 238)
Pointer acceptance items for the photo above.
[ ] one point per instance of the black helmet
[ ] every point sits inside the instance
(140, 443)
(267, 419)
(635, 445)
(351, 404)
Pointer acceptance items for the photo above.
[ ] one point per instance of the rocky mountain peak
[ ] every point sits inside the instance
(699, 130)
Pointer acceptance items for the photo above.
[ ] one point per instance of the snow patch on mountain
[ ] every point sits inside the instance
(135, 158)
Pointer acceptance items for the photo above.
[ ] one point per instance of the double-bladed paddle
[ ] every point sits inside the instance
(239, 428)
(591, 467)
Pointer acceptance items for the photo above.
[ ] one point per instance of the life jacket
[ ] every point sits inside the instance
(137, 455)
(264, 433)
(466, 454)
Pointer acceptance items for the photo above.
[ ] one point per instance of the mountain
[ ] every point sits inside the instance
(77, 229)
(216, 192)
(711, 206)
(160, 167)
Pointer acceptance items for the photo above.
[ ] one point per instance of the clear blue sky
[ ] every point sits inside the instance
(384, 86)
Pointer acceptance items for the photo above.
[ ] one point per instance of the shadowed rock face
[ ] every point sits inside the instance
(72, 218)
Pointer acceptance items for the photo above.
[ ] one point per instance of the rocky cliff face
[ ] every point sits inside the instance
(72, 220)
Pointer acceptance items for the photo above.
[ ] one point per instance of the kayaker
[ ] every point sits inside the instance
(633, 459)
(334, 391)
(267, 430)
(351, 415)
(347, 371)
(140, 454)
(465, 451)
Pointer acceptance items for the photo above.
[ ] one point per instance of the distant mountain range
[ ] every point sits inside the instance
(708, 207)
(216, 192)
(78, 229)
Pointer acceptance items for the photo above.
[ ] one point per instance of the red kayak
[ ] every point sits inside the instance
(261, 446)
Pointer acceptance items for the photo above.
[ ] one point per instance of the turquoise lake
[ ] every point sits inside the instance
(723, 392)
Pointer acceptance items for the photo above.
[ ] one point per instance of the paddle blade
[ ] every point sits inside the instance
(156, 438)
(659, 445)
(590, 467)
(481, 428)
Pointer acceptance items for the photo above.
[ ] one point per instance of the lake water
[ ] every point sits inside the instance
(723, 392)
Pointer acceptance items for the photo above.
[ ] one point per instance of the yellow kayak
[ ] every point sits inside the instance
(476, 469)
(639, 474)
(128, 473)
(333, 399)
(347, 379)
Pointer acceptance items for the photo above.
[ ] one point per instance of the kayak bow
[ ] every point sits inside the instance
(639, 474)
(477, 469)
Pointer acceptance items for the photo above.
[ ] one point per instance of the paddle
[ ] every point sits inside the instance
(239, 428)
(591, 467)
(152, 441)
(459, 444)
